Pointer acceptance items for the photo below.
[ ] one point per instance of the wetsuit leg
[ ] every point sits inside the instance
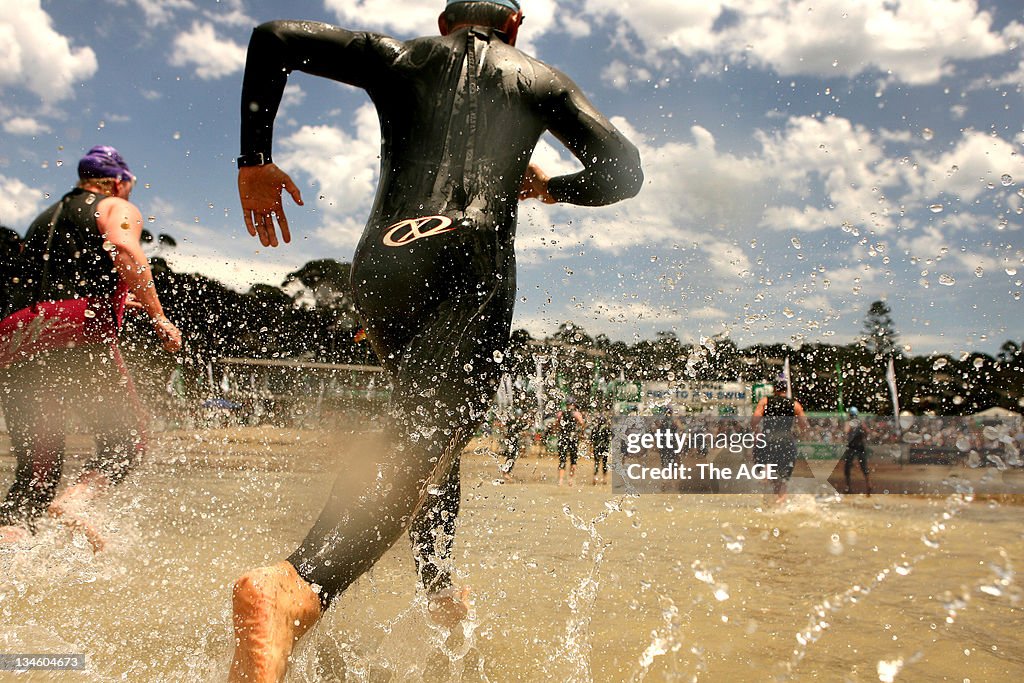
(446, 376)
(432, 533)
(34, 412)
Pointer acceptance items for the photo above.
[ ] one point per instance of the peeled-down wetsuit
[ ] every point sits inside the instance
(59, 350)
(780, 448)
(434, 272)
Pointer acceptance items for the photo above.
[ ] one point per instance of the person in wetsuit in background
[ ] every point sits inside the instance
(856, 449)
(433, 275)
(601, 441)
(775, 415)
(65, 292)
(570, 424)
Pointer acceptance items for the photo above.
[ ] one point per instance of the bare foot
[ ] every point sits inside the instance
(272, 608)
(69, 507)
(13, 534)
(74, 521)
(448, 607)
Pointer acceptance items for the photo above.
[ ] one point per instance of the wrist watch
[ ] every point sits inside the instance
(254, 159)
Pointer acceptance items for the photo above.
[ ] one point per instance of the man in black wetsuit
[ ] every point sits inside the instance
(433, 275)
(856, 449)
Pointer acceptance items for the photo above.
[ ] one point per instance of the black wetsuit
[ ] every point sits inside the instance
(59, 351)
(601, 439)
(434, 272)
(780, 441)
(856, 449)
(568, 438)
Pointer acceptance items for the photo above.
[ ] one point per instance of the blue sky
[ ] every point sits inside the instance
(803, 159)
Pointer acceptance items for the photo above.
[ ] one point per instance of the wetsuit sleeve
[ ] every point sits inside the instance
(611, 163)
(277, 48)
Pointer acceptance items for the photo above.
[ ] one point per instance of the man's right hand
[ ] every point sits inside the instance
(168, 333)
(259, 188)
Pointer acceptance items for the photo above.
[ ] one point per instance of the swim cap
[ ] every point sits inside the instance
(511, 4)
(103, 161)
(853, 411)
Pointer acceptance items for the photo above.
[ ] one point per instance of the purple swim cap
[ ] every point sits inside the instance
(103, 161)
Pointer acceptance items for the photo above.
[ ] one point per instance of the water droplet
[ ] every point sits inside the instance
(979, 271)
(151, 219)
(795, 242)
(947, 280)
(89, 313)
(60, 162)
(788, 312)
(1006, 179)
(1011, 271)
(936, 208)
(939, 363)
(498, 356)
(468, 367)
(927, 134)
(176, 135)
(108, 245)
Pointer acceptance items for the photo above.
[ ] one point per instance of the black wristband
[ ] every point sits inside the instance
(254, 159)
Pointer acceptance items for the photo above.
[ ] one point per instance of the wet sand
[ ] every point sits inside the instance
(573, 584)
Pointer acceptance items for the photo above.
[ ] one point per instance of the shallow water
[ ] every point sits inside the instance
(573, 584)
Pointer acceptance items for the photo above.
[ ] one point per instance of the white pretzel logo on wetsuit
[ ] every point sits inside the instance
(416, 228)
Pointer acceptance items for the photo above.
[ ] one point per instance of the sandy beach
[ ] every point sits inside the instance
(571, 583)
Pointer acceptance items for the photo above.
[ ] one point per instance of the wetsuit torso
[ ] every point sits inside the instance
(64, 290)
(460, 116)
(434, 272)
(777, 426)
(59, 351)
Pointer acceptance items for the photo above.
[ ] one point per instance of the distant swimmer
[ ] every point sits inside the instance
(569, 423)
(775, 416)
(600, 441)
(433, 276)
(64, 294)
(856, 449)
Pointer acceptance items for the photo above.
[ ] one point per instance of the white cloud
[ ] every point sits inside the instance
(620, 75)
(213, 57)
(915, 40)
(342, 172)
(19, 203)
(976, 162)
(237, 273)
(23, 125)
(162, 11)
(34, 56)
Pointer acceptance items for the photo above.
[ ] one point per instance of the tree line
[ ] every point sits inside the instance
(311, 316)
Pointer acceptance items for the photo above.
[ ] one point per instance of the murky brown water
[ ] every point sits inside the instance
(570, 584)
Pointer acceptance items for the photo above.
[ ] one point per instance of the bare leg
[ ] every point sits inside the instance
(68, 507)
(13, 533)
(272, 608)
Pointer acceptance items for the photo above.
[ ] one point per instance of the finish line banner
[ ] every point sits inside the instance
(709, 454)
